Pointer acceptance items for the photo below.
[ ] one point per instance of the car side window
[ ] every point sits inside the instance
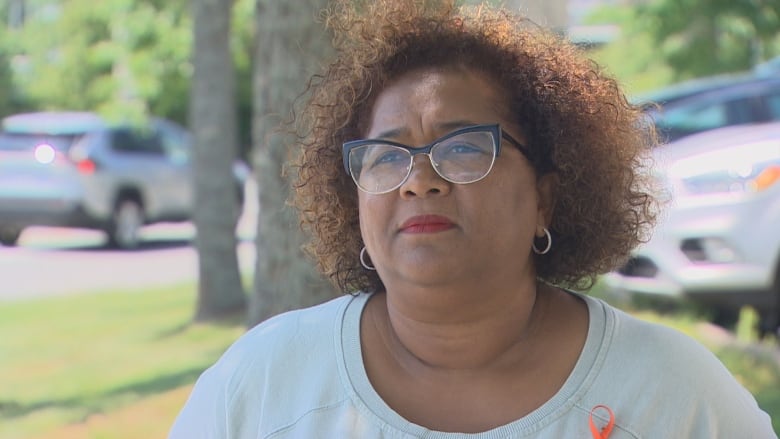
(694, 118)
(773, 106)
(174, 142)
(136, 141)
(741, 110)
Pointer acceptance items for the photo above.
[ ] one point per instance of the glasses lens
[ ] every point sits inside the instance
(378, 168)
(465, 158)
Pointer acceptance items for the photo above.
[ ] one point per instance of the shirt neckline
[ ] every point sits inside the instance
(368, 402)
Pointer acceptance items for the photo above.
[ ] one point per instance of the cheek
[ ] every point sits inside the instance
(511, 203)
(362, 216)
(371, 211)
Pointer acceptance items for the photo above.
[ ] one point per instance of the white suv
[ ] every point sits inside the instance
(76, 169)
(719, 240)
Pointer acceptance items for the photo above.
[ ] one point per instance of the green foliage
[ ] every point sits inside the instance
(667, 41)
(632, 57)
(122, 58)
(610, 15)
(748, 325)
(705, 37)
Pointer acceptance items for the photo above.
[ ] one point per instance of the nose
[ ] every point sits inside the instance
(423, 181)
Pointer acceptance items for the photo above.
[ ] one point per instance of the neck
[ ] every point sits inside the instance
(465, 329)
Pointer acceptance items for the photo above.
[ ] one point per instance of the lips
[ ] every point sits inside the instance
(426, 224)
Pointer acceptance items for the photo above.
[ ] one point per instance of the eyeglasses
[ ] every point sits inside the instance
(463, 156)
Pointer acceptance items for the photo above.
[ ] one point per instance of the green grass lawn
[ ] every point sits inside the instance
(77, 360)
(119, 365)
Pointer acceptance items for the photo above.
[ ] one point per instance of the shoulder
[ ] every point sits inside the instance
(300, 325)
(661, 380)
(656, 348)
(280, 340)
(254, 388)
(649, 341)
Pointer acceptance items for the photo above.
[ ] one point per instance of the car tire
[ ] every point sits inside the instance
(124, 231)
(725, 317)
(9, 236)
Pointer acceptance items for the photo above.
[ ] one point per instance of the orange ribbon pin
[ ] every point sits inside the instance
(604, 432)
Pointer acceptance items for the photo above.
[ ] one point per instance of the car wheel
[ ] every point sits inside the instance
(725, 317)
(126, 222)
(9, 236)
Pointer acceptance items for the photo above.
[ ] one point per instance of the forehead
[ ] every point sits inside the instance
(425, 99)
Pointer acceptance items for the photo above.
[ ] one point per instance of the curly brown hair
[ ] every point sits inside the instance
(575, 118)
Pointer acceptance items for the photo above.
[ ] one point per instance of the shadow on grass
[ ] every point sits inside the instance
(173, 331)
(230, 320)
(92, 404)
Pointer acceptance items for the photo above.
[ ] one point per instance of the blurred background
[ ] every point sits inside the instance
(143, 224)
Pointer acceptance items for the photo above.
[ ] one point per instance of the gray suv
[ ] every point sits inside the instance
(75, 169)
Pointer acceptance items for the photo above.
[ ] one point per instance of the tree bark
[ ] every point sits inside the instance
(213, 121)
(289, 42)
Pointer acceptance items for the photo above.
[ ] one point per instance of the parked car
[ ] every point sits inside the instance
(719, 241)
(76, 169)
(768, 67)
(708, 103)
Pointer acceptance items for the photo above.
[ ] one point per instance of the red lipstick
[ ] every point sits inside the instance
(426, 224)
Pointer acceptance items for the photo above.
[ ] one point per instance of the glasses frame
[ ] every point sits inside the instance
(494, 129)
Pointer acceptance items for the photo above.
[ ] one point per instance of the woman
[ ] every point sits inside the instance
(460, 168)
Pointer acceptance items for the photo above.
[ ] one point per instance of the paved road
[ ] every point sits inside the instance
(53, 261)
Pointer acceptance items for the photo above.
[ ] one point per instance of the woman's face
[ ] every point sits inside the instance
(430, 231)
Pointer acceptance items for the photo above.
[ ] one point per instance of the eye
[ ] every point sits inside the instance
(464, 148)
(389, 157)
(459, 148)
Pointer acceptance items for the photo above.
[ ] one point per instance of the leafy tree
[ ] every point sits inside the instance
(704, 37)
(120, 57)
(123, 58)
(632, 57)
(213, 120)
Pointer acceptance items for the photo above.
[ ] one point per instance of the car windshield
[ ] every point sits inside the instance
(25, 141)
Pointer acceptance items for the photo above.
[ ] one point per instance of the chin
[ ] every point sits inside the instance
(429, 275)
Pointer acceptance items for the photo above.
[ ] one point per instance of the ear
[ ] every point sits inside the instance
(546, 188)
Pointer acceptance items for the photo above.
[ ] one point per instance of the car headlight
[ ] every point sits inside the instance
(746, 168)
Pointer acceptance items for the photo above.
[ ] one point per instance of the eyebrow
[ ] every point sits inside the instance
(446, 127)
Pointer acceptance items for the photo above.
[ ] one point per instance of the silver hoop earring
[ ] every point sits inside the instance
(549, 243)
(363, 262)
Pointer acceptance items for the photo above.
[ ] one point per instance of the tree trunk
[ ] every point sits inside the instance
(213, 120)
(289, 42)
